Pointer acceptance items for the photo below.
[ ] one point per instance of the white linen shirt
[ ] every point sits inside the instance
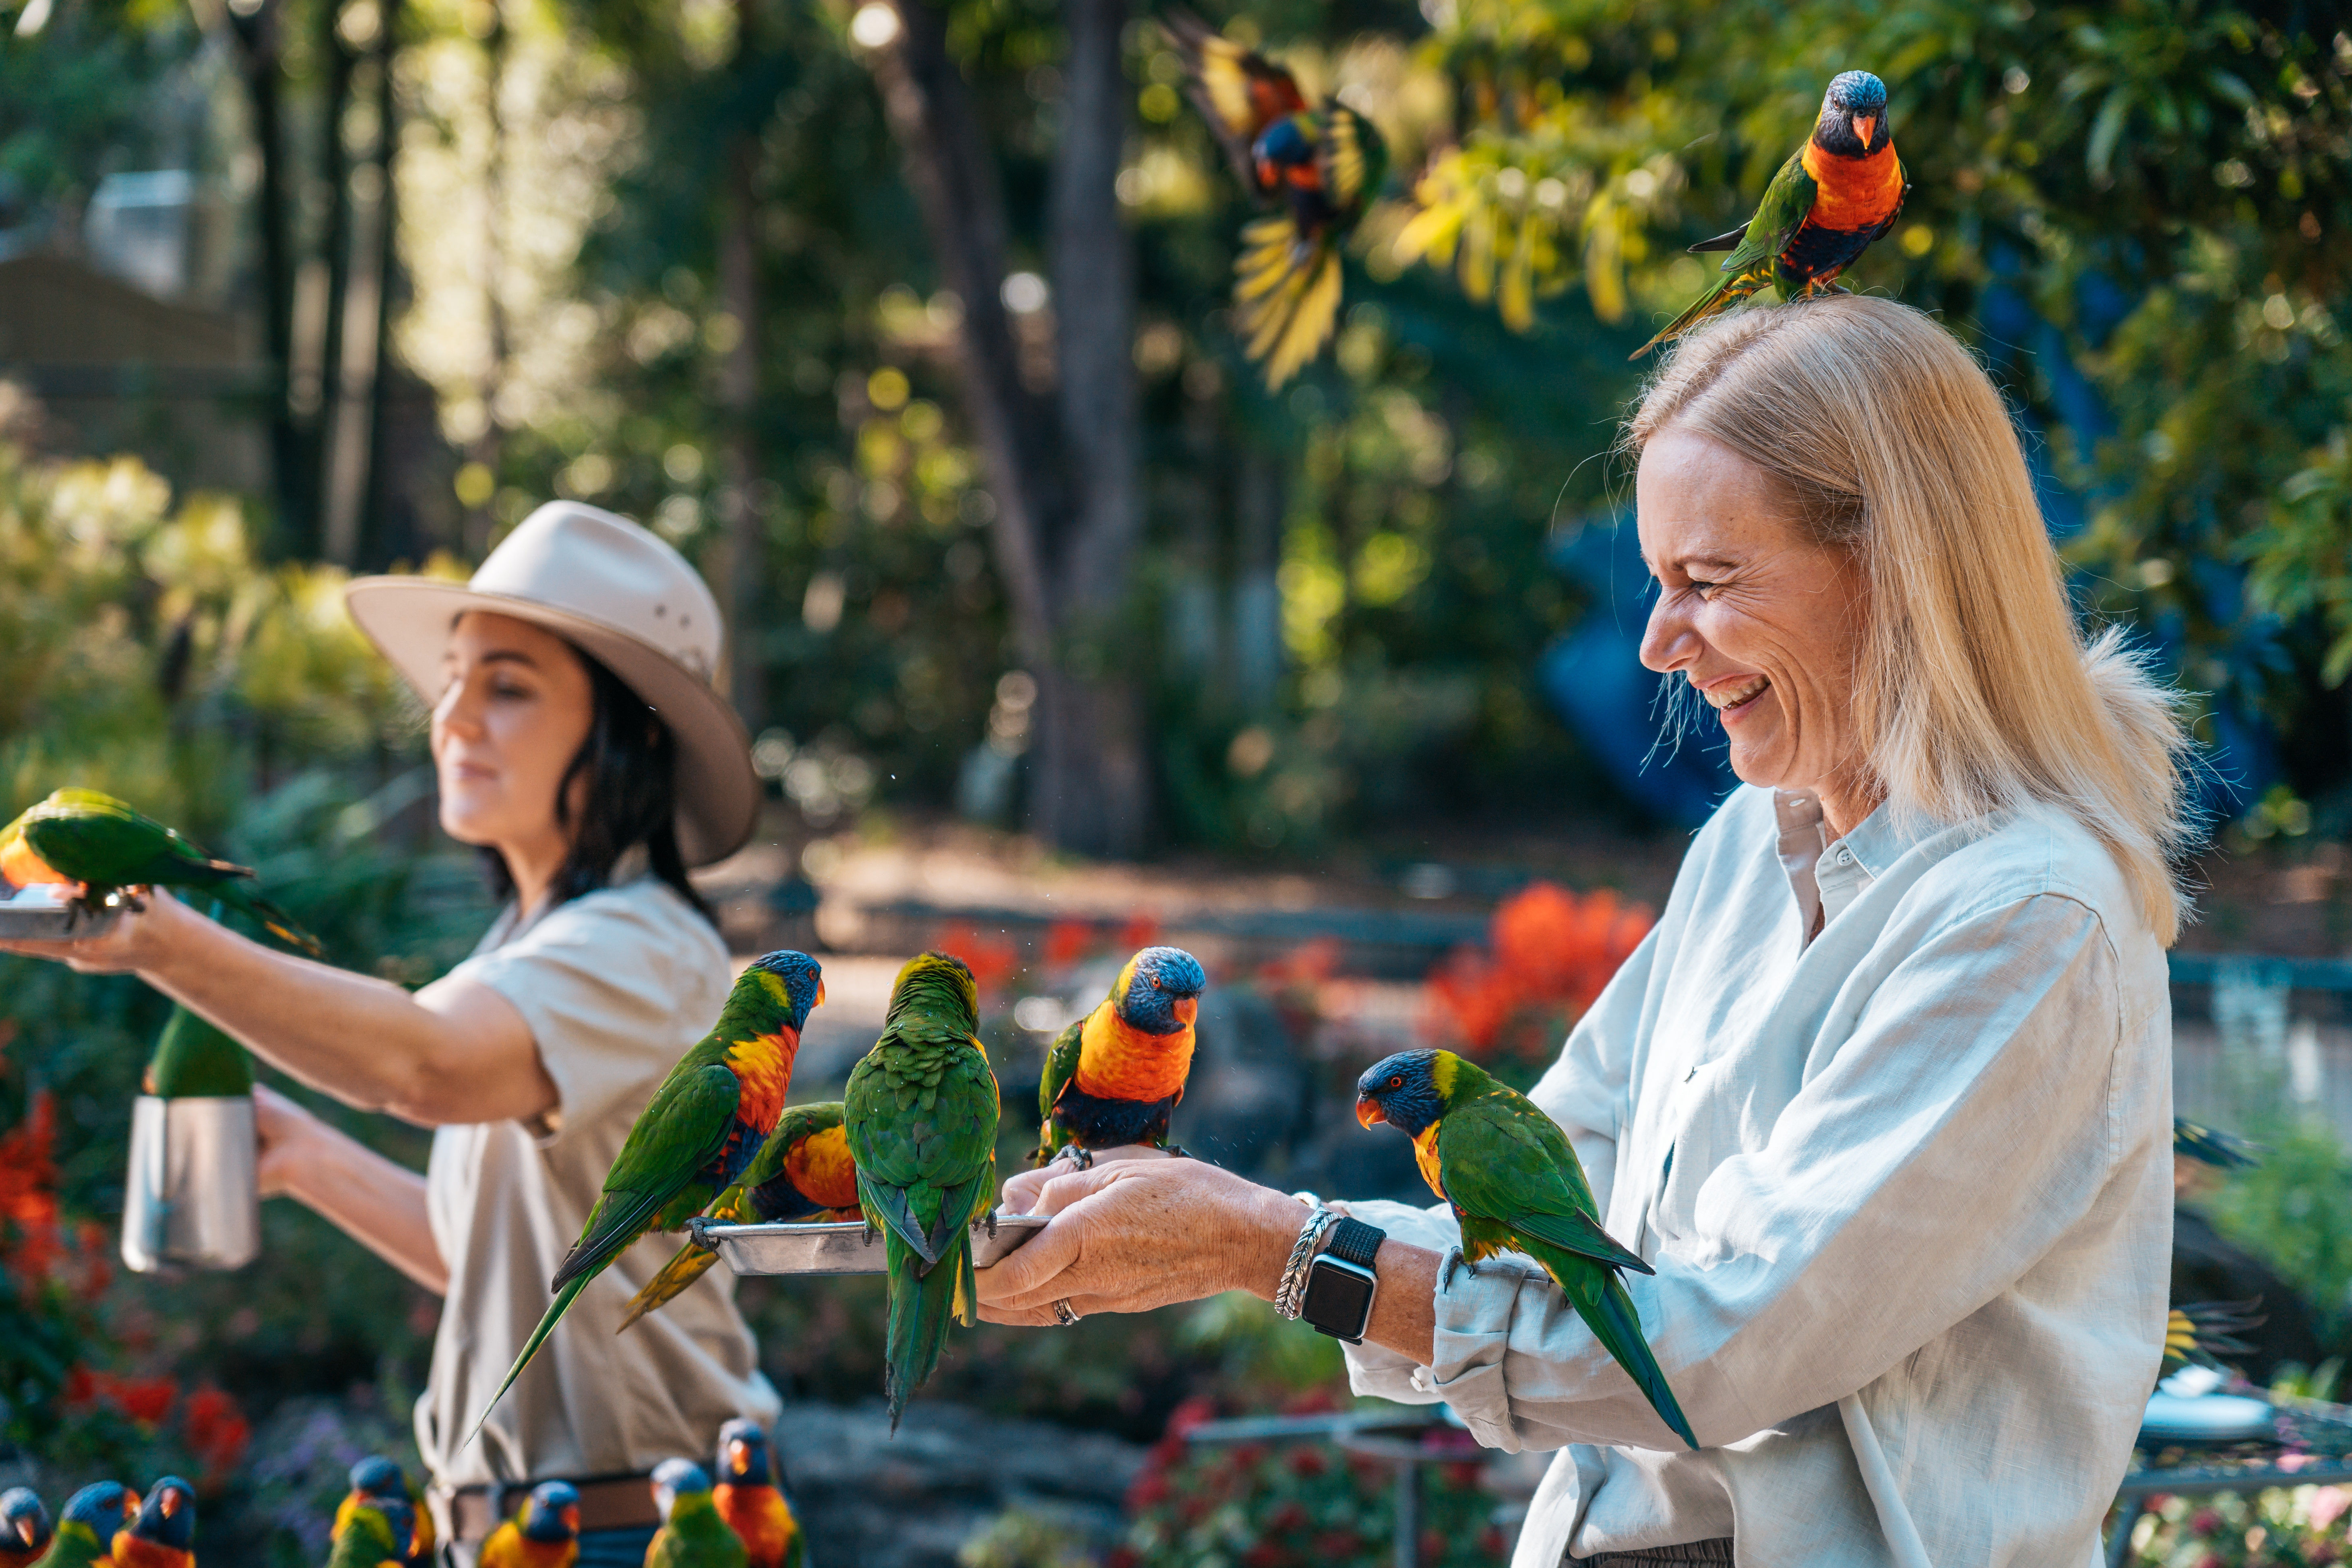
(1907, 1189)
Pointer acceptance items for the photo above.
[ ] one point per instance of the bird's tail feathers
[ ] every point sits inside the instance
(556, 1310)
(272, 918)
(1286, 293)
(898, 1218)
(1716, 301)
(922, 1307)
(1618, 1328)
(691, 1264)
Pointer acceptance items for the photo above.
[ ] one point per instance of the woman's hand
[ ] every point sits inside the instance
(288, 1139)
(132, 942)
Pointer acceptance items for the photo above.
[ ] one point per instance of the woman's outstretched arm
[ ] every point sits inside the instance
(377, 1203)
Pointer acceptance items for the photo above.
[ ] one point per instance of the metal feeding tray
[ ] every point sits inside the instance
(842, 1248)
(48, 912)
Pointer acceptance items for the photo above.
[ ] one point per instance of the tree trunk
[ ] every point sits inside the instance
(256, 36)
(739, 294)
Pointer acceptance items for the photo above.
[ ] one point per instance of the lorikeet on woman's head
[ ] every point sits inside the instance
(698, 1134)
(86, 836)
(802, 1172)
(922, 1111)
(1840, 191)
(25, 1527)
(692, 1534)
(543, 1534)
(1515, 1185)
(87, 1527)
(162, 1534)
(1112, 1077)
(747, 1497)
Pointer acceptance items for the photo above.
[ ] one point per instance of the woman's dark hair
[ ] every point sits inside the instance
(630, 762)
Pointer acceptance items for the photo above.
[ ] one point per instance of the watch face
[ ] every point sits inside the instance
(1339, 1299)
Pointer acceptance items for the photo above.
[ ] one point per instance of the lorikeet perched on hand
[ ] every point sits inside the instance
(2204, 1331)
(543, 1534)
(747, 1497)
(1112, 1077)
(802, 1172)
(374, 1533)
(2211, 1146)
(377, 1480)
(692, 1534)
(162, 1534)
(88, 1526)
(81, 836)
(25, 1527)
(1515, 1185)
(922, 1111)
(1840, 191)
(699, 1132)
(1319, 166)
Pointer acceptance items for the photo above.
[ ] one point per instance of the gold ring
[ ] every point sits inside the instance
(1068, 1319)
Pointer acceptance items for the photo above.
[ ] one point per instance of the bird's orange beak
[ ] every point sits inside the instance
(1863, 125)
(820, 995)
(25, 1530)
(572, 1518)
(735, 1452)
(1187, 1009)
(170, 1504)
(1368, 1111)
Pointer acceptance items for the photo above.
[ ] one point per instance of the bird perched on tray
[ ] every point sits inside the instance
(1836, 194)
(1113, 1076)
(922, 1111)
(378, 1481)
(692, 1534)
(699, 1133)
(375, 1533)
(543, 1534)
(1515, 1185)
(1320, 165)
(86, 1529)
(162, 1533)
(802, 1172)
(25, 1527)
(83, 836)
(2201, 1332)
(747, 1498)
(2211, 1146)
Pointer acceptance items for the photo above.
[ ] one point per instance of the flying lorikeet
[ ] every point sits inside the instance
(1840, 191)
(25, 1527)
(1320, 166)
(375, 1534)
(2204, 1331)
(82, 836)
(1515, 1185)
(87, 1527)
(162, 1534)
(1112, 1077)
(747, 1498)
(543, 1534)
(692, 1534)
(802, 1172)
(922, 1111)
(2211, 1146)
(378, 1481)
(699, 1133)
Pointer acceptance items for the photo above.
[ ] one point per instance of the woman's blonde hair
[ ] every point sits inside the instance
(1977, 691)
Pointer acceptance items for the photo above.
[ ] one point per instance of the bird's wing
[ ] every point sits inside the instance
(1350, 156)
(679, 1132)
(2204, 1331)
(108, 850)
(1503, 1158)
(1061, 1066)
(1786, 203)
(2211, 1145)
(1286, 295)
(1725, 241)
(1238, 93)
(921, 1113)
(797, 1122)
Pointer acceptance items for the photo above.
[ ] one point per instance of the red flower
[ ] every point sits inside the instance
(1197, 1411)
(1123, 1556)
(1307, 1463)
(218, 1432)
(2205, 1521)
(1290, 1515)
(1336, 1546)
(1549, 949)
(993, 960)
(1066, 941)
(1140, 932)
(1149, 1490)
(1264, 1554)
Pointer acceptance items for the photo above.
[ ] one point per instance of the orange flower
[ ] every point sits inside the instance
(1066, 941)
(1552, 950)
(1140, 932)
(993, 960)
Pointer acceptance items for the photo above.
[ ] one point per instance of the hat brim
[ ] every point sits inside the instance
(409, 620)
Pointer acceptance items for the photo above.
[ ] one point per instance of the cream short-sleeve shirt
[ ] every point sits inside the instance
(615, 985)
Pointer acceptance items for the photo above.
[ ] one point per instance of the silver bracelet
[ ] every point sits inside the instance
(1288, 1294)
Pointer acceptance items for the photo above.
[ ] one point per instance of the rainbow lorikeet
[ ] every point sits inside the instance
(2211, 1146)
(1112, 1077)
(83, 836)
(692, 1534)
(1840, 191)
(543, 1534)
(699, 1133)
(162, 1533)
(87, 1527)
(373, 1534)
(25, 1527)
(922, 1111)
(747, 1498)
(802, 1172)
(1319, 166)
(2201, 1332)
(1515, 1185)
(376, 1480)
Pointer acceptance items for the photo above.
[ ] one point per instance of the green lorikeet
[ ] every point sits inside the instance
(922, 1111)
(747, 1497)
(692, 1534)
(1515, 1185)
(1112, 1077)
(1320, 166)
(376, 1480)
(24, 1528)
(543, 1534)
(2211, 1146)
(193, 1061)
(162, 1534)
(1840, 191)
(375, 1534)
(81, 836)
(802, 1172)
(87, 1527)
(699, 1132)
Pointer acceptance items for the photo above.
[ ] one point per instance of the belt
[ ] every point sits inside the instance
(1690, 1554)
(468, 1514)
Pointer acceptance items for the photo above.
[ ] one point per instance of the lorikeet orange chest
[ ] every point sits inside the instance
(1854, 200)
(132, 1551)
(1119, 1061)
(820, 1170)
(762, 1066)
(758, 1518)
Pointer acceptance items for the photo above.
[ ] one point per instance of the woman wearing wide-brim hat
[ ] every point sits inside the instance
(579, 744)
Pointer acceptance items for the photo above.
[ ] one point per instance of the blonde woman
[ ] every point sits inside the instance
(1884, 1097)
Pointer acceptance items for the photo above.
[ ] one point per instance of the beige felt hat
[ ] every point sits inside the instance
(616, 592)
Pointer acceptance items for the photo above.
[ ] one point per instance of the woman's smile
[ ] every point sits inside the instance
(1736, 695)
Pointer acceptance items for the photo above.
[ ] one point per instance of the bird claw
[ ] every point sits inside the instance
(990, 1225)
(1084, 1159)
(1176, 1151)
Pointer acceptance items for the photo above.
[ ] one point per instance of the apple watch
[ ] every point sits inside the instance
(1341, 1283)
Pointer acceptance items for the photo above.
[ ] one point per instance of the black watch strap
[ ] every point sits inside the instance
(1354, 1241)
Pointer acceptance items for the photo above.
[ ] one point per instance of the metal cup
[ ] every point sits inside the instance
(191, 1199)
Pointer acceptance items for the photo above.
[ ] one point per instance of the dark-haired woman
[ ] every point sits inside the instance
(580, 746)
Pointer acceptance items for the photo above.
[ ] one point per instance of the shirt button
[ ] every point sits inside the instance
(1844, 856)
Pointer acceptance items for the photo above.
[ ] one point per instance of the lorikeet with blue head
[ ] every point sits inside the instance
(86, 1529)
(922, 1111)
(543, 1534)
(749, 1499)
(376, 1480)
(374, 1533)
(24, 1528)
(1319, 166)
(1836, 194)
(692, 1534)
(699, 1132)
(81, 836)
(803, 1173)
(1515, 1185)
(162, 1533)
(1112, 1077)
